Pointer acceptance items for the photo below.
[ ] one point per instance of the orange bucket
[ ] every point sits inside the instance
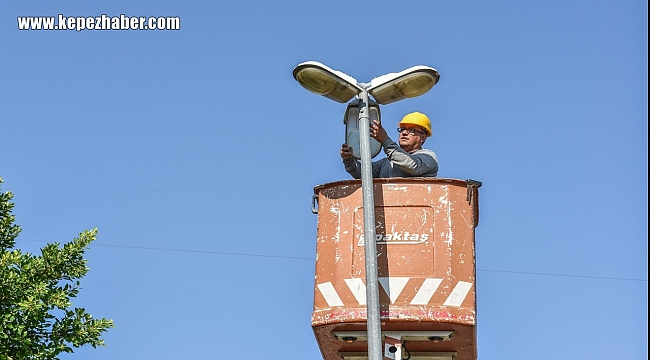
(426, 266)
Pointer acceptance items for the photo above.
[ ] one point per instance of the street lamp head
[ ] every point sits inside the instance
(409, 83)
(322, 80)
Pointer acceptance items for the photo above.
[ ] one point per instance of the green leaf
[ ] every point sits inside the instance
(37, 320)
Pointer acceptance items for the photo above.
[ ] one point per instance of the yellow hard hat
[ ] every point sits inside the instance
(416, 118)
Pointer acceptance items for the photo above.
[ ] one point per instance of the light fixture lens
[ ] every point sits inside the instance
(409, 83)
(324, 81)
(415, 85)
(316, 81)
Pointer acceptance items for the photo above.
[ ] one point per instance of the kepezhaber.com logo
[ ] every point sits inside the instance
(102, 22)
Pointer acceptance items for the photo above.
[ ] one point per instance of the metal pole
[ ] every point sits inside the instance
(372, 286)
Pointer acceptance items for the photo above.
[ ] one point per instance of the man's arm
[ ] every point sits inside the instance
(353, 166)
(420, 162)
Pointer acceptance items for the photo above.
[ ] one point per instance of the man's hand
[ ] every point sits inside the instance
(377, 132)
(346, 151)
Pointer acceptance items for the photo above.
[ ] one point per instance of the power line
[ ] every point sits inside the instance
(312, 259)
(565, 275)
(207, 252)
(192, 251)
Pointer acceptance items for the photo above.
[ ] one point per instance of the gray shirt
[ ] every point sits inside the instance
(398, 163)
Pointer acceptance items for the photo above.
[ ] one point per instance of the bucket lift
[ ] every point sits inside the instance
(424, 230)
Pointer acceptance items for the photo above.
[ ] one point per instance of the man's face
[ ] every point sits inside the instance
(411, 137)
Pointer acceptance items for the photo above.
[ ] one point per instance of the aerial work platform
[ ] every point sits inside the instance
(426, 268)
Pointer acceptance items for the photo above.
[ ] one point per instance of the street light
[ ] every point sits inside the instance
(409, 83)
(322, 80)
(385, 89)
(351, 121)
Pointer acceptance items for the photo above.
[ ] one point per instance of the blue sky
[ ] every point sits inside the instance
(195, 154)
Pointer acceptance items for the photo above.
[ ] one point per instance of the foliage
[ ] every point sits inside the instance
(36, 318)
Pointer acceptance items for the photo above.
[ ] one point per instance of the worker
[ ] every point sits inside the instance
(408, 159)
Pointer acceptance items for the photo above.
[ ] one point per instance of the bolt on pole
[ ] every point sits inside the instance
(372, 288)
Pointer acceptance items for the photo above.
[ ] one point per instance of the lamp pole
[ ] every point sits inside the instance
(367, 187)
(385, 89)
